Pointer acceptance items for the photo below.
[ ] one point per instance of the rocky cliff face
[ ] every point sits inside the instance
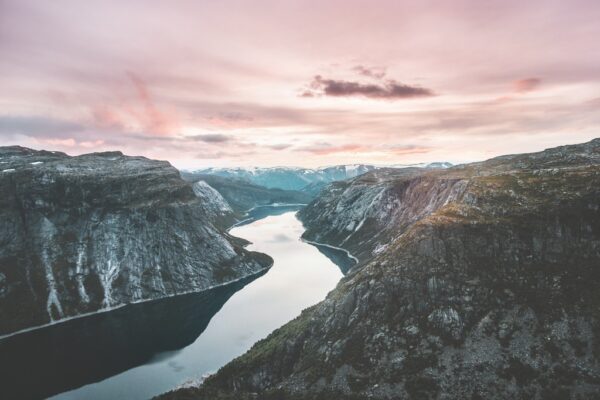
(93, 232)
(243, 196)
(366, 213)
(484, 286)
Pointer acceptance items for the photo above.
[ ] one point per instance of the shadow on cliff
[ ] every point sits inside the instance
(63, 357)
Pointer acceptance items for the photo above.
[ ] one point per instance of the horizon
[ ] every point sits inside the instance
(243, 84)
(319, 167)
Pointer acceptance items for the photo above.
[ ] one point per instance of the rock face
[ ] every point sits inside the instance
(476, 282)
(243, 196)
(366, 213)
(215, 204)
(93, 232)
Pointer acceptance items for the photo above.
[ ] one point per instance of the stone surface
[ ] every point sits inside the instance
(94, 232)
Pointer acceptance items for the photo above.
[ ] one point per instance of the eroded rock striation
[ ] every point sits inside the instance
(475, 282)
(97, 231)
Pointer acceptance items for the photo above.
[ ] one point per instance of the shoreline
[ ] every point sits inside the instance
(331, 247)
(108, 309)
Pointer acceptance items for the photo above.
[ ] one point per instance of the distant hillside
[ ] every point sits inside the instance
(295, 178)
(475, 282)
(242, 195)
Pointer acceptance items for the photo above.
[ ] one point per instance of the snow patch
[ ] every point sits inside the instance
(80, 276)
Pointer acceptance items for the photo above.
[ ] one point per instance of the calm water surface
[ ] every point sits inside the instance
(145, 349)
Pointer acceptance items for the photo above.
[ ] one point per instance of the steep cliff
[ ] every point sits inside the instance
(366, 213)
(94, 232)
(243, 196)
(484, 287)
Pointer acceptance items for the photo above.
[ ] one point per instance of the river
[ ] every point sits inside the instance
(145, 349)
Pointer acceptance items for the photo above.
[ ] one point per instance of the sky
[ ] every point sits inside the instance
(306, 83)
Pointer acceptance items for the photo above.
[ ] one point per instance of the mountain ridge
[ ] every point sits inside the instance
(491, 294)
(93, 232)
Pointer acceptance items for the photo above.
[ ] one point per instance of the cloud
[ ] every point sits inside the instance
(150, 117)
(36, 126)
(210, 138)
(327, 148)
(280, 146)
(373, 72)
(106, 117)
(408, 149)
(526, 85)
(390, 89)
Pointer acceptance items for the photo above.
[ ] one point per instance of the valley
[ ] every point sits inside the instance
(395, 283)
(477, 281)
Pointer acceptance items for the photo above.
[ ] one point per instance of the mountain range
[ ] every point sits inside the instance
(478, 281)
(295, 178)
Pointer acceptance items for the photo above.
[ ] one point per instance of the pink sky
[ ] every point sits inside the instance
(308, 83)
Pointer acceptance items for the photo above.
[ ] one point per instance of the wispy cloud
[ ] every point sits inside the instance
(37, 126)
(526, 85)
(371, 72)
(327, 148)
(210, 138)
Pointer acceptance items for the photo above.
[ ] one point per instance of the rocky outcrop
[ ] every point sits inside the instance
(214, 204)
(366, 213)
(94, 232)
(487, 289)
(243, 196)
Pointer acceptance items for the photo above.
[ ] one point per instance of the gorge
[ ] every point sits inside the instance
(472, 281)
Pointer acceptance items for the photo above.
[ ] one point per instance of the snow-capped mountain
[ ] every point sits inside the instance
(296, 178)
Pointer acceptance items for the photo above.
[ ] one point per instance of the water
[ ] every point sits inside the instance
(145, 349)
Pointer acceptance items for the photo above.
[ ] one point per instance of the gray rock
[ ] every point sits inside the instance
(97, 231)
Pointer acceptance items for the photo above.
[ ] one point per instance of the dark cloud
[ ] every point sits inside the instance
(373, 72)
(35, 126)
(389, 89)
(210, 138)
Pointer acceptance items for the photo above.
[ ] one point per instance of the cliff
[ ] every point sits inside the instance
(475, 282)
(97, 231)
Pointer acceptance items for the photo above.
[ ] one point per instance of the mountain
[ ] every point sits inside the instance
(475, 282)
(242, 195)
(97, 231)
(293, 178)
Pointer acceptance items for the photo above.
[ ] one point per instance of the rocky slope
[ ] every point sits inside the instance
(242, 195)
(366, 213)
(481, 285)
(93, 232)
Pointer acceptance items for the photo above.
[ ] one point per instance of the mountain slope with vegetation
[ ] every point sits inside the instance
(242, 195)
(476, 282)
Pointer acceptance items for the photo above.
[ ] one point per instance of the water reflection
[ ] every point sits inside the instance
(338, 257)
(147, 349)
(44, 362)
(260, 212)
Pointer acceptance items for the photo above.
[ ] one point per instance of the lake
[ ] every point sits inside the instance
(145, 349)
